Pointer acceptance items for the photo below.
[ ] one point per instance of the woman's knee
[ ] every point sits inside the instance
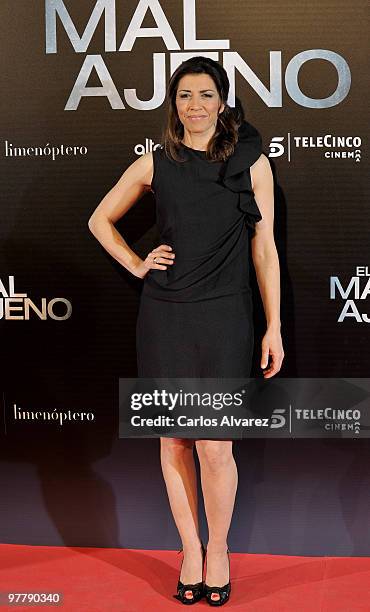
(214, 454)
(175, 447)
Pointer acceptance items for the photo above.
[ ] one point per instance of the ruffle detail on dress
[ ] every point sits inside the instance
(251, 210)
(235, 174)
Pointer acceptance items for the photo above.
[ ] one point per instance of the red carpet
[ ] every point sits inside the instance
(105, 580)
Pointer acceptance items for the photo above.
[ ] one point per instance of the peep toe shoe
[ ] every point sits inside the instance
(223, 591)
(197, 588)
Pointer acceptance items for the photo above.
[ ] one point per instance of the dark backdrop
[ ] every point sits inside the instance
(78, 484)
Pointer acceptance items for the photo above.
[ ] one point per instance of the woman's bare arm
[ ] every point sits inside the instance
(133, 183)
(266, 263)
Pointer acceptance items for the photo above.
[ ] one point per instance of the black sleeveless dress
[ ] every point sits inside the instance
(195, 317)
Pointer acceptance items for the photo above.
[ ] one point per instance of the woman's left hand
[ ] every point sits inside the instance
(272, 345)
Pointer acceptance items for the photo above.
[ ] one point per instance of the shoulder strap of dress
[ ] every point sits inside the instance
(156, 153)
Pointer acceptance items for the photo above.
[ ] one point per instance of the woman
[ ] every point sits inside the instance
(195, 315)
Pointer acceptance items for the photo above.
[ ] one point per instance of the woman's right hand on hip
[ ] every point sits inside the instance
(163, 256)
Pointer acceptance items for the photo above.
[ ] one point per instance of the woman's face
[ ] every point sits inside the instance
(198, 102)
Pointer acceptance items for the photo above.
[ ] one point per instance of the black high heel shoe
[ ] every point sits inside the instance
(223, 592)
(197, 588)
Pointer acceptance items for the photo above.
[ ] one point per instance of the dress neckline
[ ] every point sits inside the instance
(191, 149)
(247, 150)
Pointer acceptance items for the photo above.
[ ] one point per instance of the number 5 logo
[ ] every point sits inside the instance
(277, 418)
(276, 147)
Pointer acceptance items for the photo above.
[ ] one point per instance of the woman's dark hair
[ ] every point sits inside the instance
(223, 141)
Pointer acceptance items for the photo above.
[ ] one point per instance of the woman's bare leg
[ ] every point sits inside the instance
(219, 478)
(178, 467)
